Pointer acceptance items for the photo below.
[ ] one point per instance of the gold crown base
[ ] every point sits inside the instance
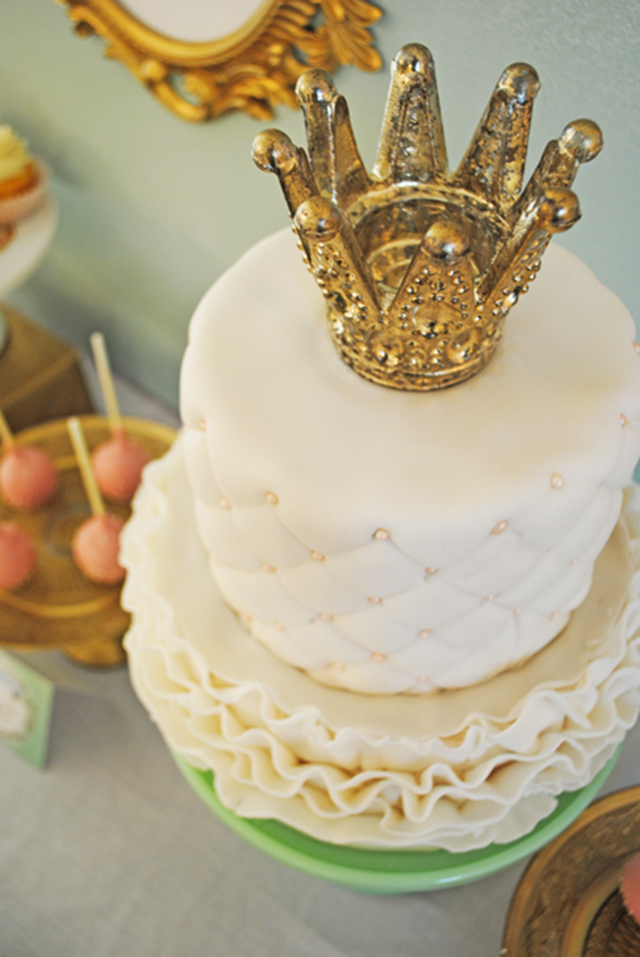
(431, 332)
(426, 378)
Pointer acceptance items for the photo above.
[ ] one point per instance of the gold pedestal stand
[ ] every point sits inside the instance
(568, 902)
(59, 607)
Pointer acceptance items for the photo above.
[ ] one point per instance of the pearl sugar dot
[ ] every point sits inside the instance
(557, 480)
(271, 498)
(381, 534)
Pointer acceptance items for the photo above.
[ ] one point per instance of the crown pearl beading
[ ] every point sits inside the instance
(420, 266)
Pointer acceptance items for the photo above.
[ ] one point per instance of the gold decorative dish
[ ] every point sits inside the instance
(59, 607)
(568, 902)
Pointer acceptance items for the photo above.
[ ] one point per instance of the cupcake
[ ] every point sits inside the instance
(22, 178)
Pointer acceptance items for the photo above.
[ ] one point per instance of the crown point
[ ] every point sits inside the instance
(583, 139)
(318, 219)
(561, 210)
(413, 58)
(315, 86)
(273, 150)
(520, 81)
(446, 242)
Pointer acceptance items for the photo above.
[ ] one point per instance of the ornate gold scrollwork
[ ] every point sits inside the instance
(252, 69)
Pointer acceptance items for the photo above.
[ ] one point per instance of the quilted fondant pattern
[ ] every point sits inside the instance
(378, 620)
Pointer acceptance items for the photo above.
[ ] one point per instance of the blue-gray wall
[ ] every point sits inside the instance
(153, 209)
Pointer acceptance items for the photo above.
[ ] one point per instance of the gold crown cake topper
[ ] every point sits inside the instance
(419, 266)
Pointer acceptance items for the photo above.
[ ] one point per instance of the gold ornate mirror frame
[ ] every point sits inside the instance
(252, 69)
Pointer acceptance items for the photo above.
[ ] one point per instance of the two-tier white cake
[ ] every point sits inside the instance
(372, 611)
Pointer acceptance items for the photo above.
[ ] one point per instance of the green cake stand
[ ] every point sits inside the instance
(392, 871)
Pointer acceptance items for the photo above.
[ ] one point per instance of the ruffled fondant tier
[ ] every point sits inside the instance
(457, 770)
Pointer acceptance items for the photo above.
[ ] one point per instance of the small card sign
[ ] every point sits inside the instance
(26, 700)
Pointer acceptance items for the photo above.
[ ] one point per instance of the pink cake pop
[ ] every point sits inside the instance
(28, 476)
(96, 543)
(118, 462)
(17, 556)
(95, 546)
(118, 465)
(630, 887)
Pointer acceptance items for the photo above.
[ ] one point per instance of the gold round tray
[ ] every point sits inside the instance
(59, 607)
(568, 902)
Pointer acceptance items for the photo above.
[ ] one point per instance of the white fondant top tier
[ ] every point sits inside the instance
(507, 483)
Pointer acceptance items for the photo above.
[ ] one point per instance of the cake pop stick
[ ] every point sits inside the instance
(105, 379)
(117, 463)
(28, 476)
(84, 464)
(5, 432)
(96, 543)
